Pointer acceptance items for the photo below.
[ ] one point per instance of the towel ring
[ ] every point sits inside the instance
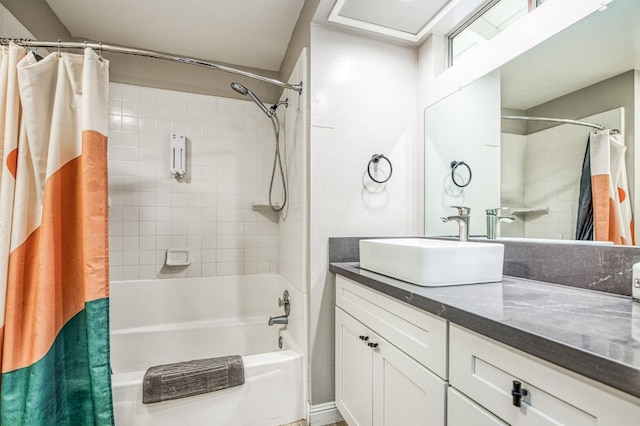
(375, 159)
(454, 166)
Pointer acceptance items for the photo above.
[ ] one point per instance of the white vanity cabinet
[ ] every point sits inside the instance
(393, 362)
(377, 381)
(485, 371)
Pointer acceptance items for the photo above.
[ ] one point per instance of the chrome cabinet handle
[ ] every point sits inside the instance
(372, 345)
(364, 338)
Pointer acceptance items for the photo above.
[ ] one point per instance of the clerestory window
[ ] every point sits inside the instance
(493, 18)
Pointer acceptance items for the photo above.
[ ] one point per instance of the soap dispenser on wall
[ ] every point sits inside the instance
(178, 155)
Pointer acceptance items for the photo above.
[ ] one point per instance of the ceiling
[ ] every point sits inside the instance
(250, 33)
(402, 15)
(241, 32)
(408, 22)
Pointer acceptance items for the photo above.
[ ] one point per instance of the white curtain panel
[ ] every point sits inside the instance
(612, 218)
(11, 130)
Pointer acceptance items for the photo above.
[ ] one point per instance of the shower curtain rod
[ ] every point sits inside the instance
(554, 120)
(149, 54)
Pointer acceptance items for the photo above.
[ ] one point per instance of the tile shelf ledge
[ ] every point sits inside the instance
(530, 210)
(263, 206)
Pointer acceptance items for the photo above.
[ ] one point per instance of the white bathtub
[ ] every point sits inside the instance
(163, 321)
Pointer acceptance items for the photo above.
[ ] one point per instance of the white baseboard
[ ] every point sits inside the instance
(324, 414)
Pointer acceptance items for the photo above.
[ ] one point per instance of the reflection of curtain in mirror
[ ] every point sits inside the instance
(612, 220)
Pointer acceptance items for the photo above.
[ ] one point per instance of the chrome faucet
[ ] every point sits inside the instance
(284, 303)
(282, 319)
(463, 221)
(493, 222)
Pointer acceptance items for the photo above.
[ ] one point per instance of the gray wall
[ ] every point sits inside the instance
(149, 72)
(300, 38)
(39, 19)
(605, 95)
(608, 94)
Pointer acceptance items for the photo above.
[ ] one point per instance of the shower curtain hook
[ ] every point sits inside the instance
(59, 46)
(100, 52)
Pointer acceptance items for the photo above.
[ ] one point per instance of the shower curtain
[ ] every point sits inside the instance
(584, 227)
(610, 204)
(54, 339)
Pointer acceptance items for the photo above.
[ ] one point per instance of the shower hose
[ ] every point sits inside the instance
(277, 162)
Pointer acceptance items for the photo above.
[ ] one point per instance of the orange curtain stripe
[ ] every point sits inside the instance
(600, 193)
(50, 275)
(95, 215)
(606, 226)
(614, 224)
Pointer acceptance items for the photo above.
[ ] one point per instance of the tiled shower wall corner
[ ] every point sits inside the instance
(229, 157)
(293, 219)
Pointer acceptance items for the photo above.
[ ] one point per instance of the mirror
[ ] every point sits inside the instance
(588, 72)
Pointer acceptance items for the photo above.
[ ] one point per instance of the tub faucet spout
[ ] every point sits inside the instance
(282, 319)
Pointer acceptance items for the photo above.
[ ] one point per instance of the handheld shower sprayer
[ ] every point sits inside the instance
(277, 161)
(246, 92)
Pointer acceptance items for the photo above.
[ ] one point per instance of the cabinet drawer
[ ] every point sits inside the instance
(484, 370)
(461, 411)
(421, 335)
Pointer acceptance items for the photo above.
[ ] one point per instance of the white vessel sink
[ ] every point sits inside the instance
(433, 263)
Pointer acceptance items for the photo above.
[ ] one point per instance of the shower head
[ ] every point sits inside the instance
(239, 88)
(246, 92)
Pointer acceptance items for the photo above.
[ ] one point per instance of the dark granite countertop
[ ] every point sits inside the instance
(589, 332)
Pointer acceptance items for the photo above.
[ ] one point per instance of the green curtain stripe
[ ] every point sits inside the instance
(71, 384)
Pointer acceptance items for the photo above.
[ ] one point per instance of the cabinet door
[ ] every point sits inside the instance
(405, 392)
(461, 411)
(354, 366)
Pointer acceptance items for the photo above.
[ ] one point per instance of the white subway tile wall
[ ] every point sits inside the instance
(512, 178)
(229, 156)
